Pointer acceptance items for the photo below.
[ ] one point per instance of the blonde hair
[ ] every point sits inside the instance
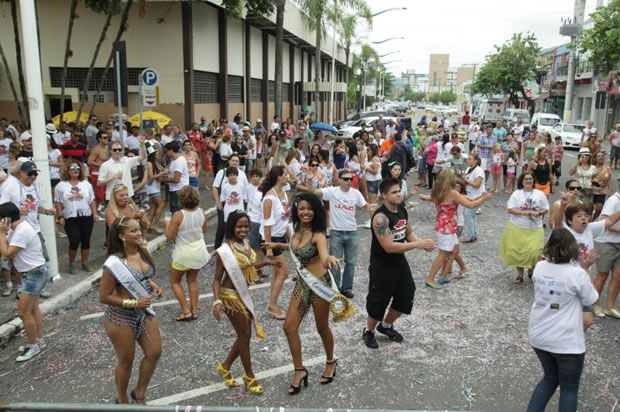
(112, 202)
(444, 184)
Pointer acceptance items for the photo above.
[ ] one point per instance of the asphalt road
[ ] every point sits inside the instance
(465, 345)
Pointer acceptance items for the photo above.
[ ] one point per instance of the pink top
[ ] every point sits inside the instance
(446, 218)
(431, 154)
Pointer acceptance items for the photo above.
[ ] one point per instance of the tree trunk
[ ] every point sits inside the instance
(317, 70)
(9, 78)
(121, 29)
(68, 53)
(18, 57)
(347, 51)
(279, 52)
(91, 68)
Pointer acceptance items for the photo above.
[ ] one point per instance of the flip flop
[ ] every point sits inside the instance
(194, 315)
(183, 317)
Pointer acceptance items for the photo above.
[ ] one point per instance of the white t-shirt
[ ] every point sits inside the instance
(132, 142)
(60, 138)
(255, 198)
(165, 139)
(53, 156)
(116, 136)
(518, 132)
(473, 132)
(472, 175)
(274, 126)
(75, 200)
(178, 165)
(234, 196)
(251, 142)
(225, 151)
(221, 179)
(4, 152)
(278, 221)
(556, 317)
(26, 238)
(22, 197)
(587, 133)
(534, 201)
(611, 206)
(342, 207)
(111, 167)
(585, 240)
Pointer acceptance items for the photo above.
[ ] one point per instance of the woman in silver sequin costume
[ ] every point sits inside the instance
(127, 325)
(309, 244)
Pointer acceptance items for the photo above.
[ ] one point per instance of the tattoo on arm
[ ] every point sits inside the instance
(381, 225)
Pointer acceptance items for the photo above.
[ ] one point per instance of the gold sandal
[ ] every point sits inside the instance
(252, 385)
(225, 373)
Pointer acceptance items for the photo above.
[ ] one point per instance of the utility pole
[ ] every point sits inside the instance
(471, 90)
(573, 28)
(451, 80)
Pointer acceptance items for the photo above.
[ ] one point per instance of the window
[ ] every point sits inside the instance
(205, 87)
(579, 108)
(255, 89)
(271, 91)
(285, 89)
(235, 89)
(434, 79)
(76, 77)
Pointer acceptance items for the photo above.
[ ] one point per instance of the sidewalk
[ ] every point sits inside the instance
(71, 287)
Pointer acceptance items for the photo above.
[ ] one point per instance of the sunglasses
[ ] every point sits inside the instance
(74, 167)
(117, 150)
(347, 179)
(573, 188)
(31, 174)
(314, 165)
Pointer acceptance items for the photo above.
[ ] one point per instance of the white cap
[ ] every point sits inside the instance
(25, 136)
(259, 121)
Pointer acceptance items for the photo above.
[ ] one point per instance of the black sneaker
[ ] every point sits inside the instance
(369, 339)
(348, 294)
(390, 333)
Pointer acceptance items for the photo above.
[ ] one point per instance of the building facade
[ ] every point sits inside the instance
(209, 64)
(438, 73)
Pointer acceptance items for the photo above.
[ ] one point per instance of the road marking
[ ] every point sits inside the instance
(205, 390)
(175, 302)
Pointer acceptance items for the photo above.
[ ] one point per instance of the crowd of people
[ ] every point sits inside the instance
(291, 190)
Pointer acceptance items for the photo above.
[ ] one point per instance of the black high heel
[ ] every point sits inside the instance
(134, 399)
(328, 379)
(297, 388)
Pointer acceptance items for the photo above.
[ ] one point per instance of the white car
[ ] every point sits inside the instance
(347, 132)
(570, 133)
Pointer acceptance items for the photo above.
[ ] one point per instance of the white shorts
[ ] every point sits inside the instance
(447, 242)
(484, 164)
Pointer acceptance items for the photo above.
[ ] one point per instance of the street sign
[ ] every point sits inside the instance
(148, 87)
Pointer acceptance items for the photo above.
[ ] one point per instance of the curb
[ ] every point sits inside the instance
(10, 328)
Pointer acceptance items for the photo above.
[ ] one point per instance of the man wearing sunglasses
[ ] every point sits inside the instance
(96, 158)
(343, 204)
(117, 169)
(573, 187)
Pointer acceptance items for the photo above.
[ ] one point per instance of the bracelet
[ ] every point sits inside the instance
(153, 284)
(217, 302)
(129, 303)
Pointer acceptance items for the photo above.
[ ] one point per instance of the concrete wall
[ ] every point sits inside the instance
(235, 47)
(206, 48)
(256, 53)
(208, 110)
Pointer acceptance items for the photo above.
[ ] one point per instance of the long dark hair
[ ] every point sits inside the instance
(271, 179)
(319, 221)
(153, 161)
(352, 149)
(233, 218)
(115, 244)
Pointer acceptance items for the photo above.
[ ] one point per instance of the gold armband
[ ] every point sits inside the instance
(130, 303)
(153, 284)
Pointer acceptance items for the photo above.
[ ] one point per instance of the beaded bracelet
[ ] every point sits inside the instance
(217, 302)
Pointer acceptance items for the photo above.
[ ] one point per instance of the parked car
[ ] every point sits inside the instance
(490, 111)
(347, 132)
(363, 115)
(570, 133)
(544, 122)
(512, 115)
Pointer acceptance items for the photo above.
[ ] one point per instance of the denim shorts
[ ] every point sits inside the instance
(193, 181)
(373, 186)
(254, 236)
(34, 281)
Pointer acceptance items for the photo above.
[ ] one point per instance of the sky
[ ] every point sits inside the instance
(467, 30)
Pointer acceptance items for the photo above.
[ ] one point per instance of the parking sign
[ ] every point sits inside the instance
(148, 87)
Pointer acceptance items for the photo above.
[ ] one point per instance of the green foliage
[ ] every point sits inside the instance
(506, 70)
(234, 8)
(603, 40)
(414, 96)
(445, 97)
(111, 7)
(352, 91)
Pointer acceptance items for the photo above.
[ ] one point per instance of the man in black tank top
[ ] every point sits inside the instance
(390, 275)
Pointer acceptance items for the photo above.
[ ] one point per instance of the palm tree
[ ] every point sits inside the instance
(348, 24)
(9, 78)
(280, 4)
(110, 8)
(122, 28)
(68, 53)
(18, 57)
(367, 61)
(320, 12)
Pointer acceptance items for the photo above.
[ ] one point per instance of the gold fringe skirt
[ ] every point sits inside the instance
(232, 302)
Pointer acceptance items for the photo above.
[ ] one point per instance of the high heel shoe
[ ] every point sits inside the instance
(328, 379)
(296, 389)
(225, 373)
(250, 384)
(134, 398)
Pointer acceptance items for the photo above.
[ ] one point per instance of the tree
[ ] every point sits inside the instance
(18, 57)
(506, 70)
(447, 97)
(319, 12)
(414, 96)
(68, 54)
(348, 24)
(434, 97)
(365, 61)
(9, 78)
(110, 8)
(602, 41)
(280, 4)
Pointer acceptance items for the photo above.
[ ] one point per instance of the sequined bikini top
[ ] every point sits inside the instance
(305, 253)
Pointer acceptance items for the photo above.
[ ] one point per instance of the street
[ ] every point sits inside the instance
(465, 346)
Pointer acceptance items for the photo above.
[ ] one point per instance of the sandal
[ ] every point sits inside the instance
(328, 379)
(276, 312)
(294, 390)
(229, 381)
(182, 317)
(194, 315)
(518, 279)
(461, 275)
(252, 385)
